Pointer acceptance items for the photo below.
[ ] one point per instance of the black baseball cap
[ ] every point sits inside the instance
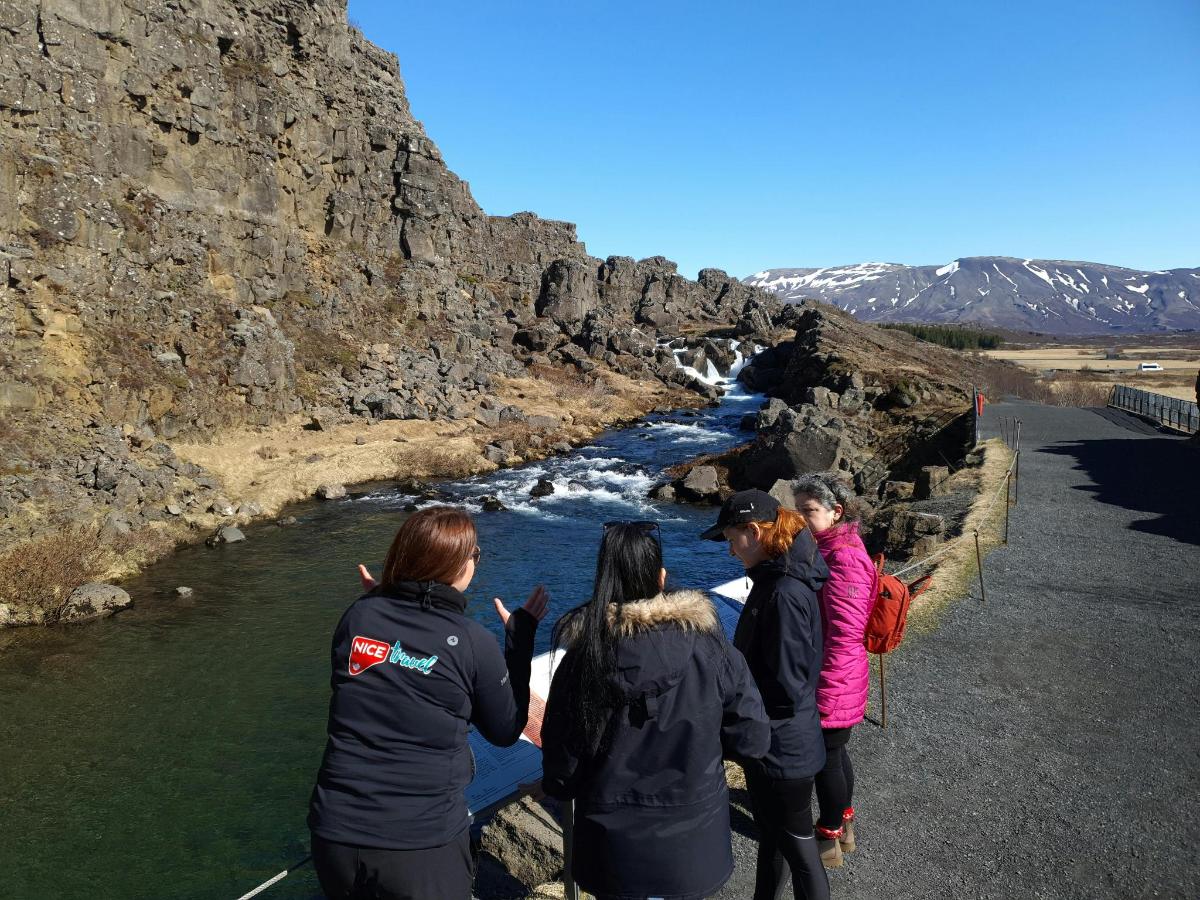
(743, 507)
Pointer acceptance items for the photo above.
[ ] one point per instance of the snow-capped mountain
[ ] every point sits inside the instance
(1049, 296)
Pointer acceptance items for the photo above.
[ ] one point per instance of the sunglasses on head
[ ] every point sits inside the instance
(475, 554)
(644, 527)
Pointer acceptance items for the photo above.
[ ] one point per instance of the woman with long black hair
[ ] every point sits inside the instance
(411, 674)
(780, 634)
(648, 699)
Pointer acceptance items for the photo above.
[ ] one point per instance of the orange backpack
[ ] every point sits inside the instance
(885, 625)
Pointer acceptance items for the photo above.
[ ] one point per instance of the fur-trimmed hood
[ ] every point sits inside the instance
(686, 610)
(689, 610)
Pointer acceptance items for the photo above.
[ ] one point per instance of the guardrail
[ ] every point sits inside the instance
(1181, 415)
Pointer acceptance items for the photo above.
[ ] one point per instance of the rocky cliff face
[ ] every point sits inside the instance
(221, 213)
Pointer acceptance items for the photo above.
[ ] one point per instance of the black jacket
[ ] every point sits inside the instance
(652, 812)
(411, 674)
(779, 633)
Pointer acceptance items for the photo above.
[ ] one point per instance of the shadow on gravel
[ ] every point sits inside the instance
(1157, 475)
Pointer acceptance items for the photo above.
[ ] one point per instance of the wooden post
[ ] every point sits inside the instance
(882, 695)
(570, 888)
(979, 562)
(1017, 473)
(1007, 501)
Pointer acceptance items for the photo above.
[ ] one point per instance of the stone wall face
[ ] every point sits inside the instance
(213, 208)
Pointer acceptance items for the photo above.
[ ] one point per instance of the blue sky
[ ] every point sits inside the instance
(755, 135)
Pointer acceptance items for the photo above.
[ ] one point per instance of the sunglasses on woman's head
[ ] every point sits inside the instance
(475, 554)
(644, 527)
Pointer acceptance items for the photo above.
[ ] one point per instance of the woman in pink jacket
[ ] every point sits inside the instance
(846, 601)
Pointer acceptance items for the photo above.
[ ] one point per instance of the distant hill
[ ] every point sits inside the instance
(1050, 296)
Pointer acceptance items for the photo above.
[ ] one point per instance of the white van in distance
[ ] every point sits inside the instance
(1149, 367)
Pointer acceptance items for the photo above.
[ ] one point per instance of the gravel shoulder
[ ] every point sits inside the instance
(1045, 743)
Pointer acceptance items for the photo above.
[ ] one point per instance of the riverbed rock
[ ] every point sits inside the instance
(94, 600)
(543, 488)
(492, 504)
(184, 591)
(664, 492)
(230, 534)
(702, 482)
(331, 491)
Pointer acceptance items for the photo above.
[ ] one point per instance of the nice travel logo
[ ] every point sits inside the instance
(366, 652)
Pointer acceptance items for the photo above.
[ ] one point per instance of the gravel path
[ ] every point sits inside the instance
(1045, 744)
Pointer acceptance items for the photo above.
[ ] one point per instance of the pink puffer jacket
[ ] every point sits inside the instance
(846, 601)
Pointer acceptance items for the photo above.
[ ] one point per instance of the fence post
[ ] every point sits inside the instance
(570, 888)
(979, 563)
(882, 695)
(1007, 501)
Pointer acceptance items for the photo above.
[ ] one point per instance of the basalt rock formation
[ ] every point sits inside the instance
(221, 213)
(848, 397)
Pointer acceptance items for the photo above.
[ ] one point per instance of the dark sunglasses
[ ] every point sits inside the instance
(475, 554)
(645, 527)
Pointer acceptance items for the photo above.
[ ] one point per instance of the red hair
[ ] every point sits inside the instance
(777, 536)
(432, 545)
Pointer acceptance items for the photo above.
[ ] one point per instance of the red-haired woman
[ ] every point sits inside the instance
(779, 633)
(411, 674)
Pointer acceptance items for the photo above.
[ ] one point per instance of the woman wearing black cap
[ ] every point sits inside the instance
(779, 633)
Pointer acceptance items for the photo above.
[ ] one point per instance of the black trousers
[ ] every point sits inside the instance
(368, 873)
(835, 782)
(783, 812)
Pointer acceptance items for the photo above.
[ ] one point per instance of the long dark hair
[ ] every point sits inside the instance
(627, 570)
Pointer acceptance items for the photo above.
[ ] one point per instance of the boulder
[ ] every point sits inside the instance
(494, 454)
(542, 423)
(543, 488)
(664, 492)
(492, 504)
(782, 491)
(230, 534)
(769, 414)
(324, 418)
(183, 591)
(931, 482)
(898, 490)
(220, 506)
(702, 481)
(331, 491)
(94, 600)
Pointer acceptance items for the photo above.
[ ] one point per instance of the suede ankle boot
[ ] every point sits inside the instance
(847, 839)
(829, 845)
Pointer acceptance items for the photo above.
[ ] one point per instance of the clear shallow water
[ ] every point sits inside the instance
(169, 751)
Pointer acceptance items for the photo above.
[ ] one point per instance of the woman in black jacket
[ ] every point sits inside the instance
(648, 699)
(780, 634)
(411, 674)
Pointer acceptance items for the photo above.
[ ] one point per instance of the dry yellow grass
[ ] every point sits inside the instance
(271, 466)
(957, 568)
(1076, 358)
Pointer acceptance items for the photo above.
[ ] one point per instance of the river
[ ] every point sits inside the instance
(169, 751)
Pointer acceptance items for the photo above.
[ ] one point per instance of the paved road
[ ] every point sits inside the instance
(1045, 744)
